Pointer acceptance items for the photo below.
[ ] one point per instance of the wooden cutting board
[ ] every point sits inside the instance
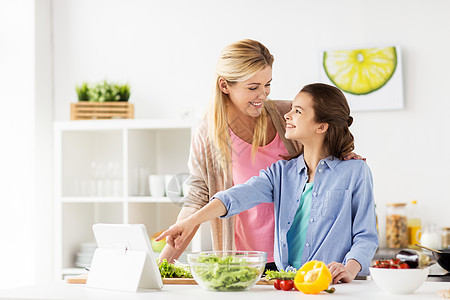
(81, 279)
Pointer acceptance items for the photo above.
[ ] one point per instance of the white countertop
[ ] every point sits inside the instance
(358, 289)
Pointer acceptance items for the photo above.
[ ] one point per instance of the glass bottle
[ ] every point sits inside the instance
(396, 225)
(414, 225)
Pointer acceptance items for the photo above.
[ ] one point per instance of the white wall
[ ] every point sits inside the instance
(26, 133)
(17, 143)
(43, 140)
(167, 51)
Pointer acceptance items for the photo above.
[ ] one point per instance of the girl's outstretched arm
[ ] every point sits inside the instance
(178, 232)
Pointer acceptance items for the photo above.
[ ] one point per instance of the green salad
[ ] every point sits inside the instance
(176, 270)
(225, 273)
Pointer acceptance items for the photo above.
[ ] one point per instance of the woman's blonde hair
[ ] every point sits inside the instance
(237, 62)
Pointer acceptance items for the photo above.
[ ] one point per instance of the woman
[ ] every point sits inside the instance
(324, 206)
(241, 134)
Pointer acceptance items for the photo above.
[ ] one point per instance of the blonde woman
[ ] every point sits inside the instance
(241, 133)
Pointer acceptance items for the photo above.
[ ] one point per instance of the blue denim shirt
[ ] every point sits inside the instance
(342, 222)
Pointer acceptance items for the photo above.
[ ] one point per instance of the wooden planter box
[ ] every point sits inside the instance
(85, 110)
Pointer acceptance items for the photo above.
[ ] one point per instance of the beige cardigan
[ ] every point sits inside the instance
(206, 179)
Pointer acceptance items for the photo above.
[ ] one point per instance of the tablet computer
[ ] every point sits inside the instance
(124, 259)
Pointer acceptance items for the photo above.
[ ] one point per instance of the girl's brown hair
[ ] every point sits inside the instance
(330, 106)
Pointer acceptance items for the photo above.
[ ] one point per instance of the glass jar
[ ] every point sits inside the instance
(396, 225)
(445, 237)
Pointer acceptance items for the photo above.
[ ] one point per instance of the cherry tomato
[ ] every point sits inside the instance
(393, 267)
(276, 284)
(394, 261)
(286, 285)
(403, 265)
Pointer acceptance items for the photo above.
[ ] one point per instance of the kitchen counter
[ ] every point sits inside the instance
(358, 289)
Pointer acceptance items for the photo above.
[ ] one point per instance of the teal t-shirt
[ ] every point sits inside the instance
(297, 233)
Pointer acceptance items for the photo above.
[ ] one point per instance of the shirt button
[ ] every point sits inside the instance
(320, 170)
(322, 163)
(307, 245)
(284, 245)
(314, 194)
(289, 223)
(298, 200)
(312, 220)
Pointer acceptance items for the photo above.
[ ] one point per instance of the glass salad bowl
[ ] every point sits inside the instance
(227, 270)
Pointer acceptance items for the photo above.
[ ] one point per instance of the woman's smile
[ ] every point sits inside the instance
(256, 104)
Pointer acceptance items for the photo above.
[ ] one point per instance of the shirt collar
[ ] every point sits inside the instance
(331, 162)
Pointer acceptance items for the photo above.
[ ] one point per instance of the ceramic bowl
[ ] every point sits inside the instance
(399, 281)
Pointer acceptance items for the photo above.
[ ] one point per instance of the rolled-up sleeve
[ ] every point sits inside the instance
(365, 237)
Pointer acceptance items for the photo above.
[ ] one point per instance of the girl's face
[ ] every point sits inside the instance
(300, 121)
(247, 96)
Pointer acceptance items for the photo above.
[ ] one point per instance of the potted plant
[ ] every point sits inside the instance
(102, 100)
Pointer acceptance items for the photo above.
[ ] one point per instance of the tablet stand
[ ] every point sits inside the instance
(123, 268)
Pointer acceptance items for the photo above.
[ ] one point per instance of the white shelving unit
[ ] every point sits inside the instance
(101, 175)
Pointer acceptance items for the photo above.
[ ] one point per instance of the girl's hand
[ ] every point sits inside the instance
(339, 272)
(177, 233)
(353, 155)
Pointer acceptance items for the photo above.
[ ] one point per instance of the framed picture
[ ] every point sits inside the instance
(370, 78)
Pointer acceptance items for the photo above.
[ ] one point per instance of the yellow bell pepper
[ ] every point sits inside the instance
(313, 277)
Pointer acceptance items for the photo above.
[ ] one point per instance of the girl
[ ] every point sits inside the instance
(324, 207)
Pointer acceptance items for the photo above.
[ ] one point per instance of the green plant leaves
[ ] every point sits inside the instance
(103, 92)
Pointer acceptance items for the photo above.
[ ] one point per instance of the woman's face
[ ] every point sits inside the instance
(300, 121)
(247, 96)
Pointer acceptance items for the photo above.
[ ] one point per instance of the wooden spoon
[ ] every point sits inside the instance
(421, 246)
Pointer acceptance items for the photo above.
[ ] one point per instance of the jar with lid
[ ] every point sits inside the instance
(446, 237)
(396, 226)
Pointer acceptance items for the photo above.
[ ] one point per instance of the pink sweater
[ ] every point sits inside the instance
(254, 228)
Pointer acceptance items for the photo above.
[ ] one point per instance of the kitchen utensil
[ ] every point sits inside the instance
(442, 257)
(156, 183)
(431, 249)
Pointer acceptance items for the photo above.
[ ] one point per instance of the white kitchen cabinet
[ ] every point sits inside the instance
(101, 170)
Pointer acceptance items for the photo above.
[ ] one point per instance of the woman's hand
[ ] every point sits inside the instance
(353, 155)
(178, 232)
(342, 273)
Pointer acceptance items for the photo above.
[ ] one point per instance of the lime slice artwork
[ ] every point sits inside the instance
(361, 71)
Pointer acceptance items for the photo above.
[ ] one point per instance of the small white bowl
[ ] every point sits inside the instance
(399, 281)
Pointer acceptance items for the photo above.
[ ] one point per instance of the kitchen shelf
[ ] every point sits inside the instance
(101, 170)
